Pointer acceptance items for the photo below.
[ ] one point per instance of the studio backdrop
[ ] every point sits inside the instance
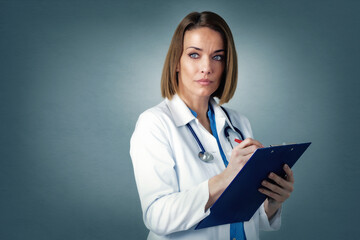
(75, 75)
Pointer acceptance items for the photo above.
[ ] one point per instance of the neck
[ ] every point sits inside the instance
(198, 104)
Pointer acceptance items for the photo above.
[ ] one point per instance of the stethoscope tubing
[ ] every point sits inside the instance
(226, 131)
(208, 156)
(196, 137)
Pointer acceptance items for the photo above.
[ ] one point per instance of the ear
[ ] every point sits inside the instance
(178, 67)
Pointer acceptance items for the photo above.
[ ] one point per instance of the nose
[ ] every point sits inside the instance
(206, 66)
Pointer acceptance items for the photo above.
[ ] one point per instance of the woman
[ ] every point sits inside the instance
(176, 188)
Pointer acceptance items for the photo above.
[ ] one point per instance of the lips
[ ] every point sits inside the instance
(204, 82)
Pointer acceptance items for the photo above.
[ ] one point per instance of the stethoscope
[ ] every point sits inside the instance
(203, 154)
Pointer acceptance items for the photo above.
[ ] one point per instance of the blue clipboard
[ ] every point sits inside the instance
(241, 198)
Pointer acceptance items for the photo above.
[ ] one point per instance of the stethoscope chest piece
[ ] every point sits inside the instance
(205, 156)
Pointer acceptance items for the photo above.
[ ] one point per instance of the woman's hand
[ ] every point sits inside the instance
(239, 156)
(277, 192)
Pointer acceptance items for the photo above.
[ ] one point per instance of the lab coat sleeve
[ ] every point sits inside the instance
(165, 208)
(269, 225)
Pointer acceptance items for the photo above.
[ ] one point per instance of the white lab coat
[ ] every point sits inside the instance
(173, 182)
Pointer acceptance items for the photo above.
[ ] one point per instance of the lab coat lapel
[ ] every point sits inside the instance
(179, 111)
(221, 122)
(220, 117)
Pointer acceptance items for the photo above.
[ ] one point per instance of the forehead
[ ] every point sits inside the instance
(203, 37)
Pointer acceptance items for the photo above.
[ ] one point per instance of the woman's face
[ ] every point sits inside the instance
(201, 64)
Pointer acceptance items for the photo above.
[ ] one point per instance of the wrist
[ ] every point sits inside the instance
(217, 186)
(271, 207)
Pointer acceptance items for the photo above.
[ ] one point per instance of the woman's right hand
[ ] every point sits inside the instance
(239, 156)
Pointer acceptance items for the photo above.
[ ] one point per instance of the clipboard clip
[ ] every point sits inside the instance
(283, 144)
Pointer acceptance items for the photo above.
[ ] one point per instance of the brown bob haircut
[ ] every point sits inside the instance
(169, 81)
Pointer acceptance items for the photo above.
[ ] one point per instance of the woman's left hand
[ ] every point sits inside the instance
(277, 193)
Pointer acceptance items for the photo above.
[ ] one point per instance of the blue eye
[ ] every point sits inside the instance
(218, 57)
(194, 55)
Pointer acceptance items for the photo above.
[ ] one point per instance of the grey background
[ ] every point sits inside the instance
(75, 75)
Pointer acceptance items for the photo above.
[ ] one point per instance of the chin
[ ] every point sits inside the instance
(205, 93)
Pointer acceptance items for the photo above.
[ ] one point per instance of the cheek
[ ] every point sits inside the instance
(187, 68)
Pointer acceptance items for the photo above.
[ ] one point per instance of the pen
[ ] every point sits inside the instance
(237, 140)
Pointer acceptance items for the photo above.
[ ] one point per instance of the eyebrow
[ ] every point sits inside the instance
(199, 49)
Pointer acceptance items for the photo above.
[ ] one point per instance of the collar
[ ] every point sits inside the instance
(179, 111)
(220, 114)
(182, 114)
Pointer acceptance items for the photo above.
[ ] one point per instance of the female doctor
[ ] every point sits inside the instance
(181, 155)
